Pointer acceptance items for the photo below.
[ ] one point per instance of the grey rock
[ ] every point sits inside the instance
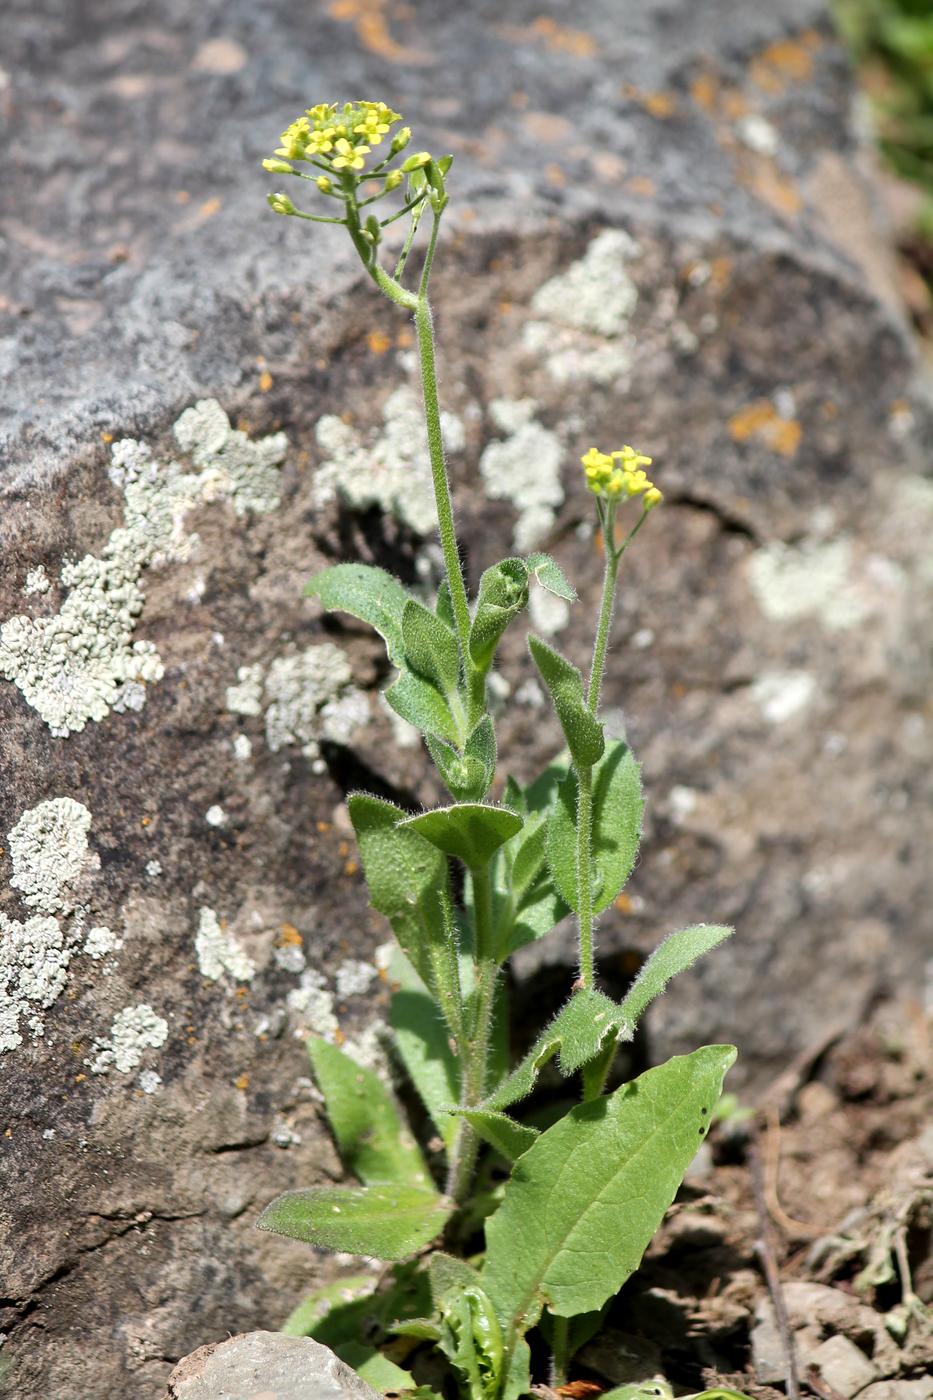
(265, 1366)
(773, 638)
(898, 1390)
(843, 1366)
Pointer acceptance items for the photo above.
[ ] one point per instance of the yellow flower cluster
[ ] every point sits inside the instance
(618, 475)
(344, 136)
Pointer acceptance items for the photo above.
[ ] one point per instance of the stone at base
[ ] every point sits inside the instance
(265, 1366)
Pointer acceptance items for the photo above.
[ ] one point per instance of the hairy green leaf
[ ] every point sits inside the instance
(471, 831)
(678, 952)
(468, 776)
(444, 606)
(576, 1035)
(583, 1203)
(430, 647)
(423, 1044)
(525, 901)
(617, 813)
(371, 1137)
(376, 1369)
(323, 1310)
(503, 593)
(446, 1271)
(510, 1139)
(409, 882)
(380, 1222)
(551, 576)
(420, 703)
(368, 593)
(583, 732)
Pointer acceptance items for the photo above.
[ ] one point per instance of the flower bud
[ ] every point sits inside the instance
(652, 498)
(393, 179)
(324, 184)
(278, 167)
(280, 204)
(417, 162)
(400, 140)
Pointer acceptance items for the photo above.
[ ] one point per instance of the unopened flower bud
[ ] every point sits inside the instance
(400, 140)
(278, 167)
(280, 204)
(393, 179)
(417, 161)
(324, 184)
(652, 498)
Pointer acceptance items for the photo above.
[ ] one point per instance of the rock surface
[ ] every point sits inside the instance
(660, 232)
(265, 1366)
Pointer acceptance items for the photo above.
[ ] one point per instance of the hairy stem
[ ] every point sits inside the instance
(475, 1051)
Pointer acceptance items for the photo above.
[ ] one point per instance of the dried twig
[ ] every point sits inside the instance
(765, 1249)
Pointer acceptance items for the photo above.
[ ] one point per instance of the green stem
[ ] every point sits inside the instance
(475, 1050)
(559, 1357)
(601, 644)
(585, 875)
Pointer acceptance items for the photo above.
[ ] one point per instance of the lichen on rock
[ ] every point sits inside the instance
(48, 849)
(134, 1030)
(524, 468)
(305, 697)
(219, 952)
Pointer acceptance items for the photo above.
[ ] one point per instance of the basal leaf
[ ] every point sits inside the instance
(617, 813)
(471, 831)
(420, 703)
(430, 647)
(375, 1368)
(380, 1222)
(583, 732)
(368, 593)
(551, 576)
(372, 1139)
(325, 1308)
(446, 1271)
(576, 1035)
(510, 1139)
(584, 1201)
(678, 952)
(503, 593)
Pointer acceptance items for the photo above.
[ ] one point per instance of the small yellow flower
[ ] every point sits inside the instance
(652, 498)
(324, 184)
(349, 157)
(294, 139)
(393, 179)
(618, 474)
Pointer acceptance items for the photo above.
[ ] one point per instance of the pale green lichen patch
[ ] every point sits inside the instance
(388, 468)
(37, 581)
(83, 662)
(34, 958)
(524, 468)
(49, 850)
(583, 330)
(218, 951)
(782, 694)
(815, 579)
(135, 1029)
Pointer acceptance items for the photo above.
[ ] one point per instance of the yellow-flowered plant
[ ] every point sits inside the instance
(566, 842)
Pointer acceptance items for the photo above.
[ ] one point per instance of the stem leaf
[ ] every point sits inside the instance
(583, 732)
(510, 1139)
(367, 593)
(503, 593)
(420, 703)
(617, 813)
(551, 576)
(586, 1199)
(379, 1222)
(468, 776)
(430, 647)
(370, 1133)
(422, 1043)
(471, 831)
(678, 952)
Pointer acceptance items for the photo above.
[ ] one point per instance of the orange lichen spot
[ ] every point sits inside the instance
(8, 1132)
(289, 937)
(555, 175)
(265, 382)
(623, 902)
(379, 342)
(76, 1047)
(761, 422)
(339, 1036)
(241, 1082)
(785, 61)
(322, 826)
(829, 409)
(774, 189)
(242, 992)
(182, 197)
(210, 207)
(678, 690)
(607, 165)
(350, 868)
(344, 848)
(560, 39)
(192, 1040)
(642, 186)
(80, 1078)
(368, 18)
(106, 437)
(705, 90)
(404, 338)
(720, 273)
(662, 105)
(734, 104)
(145, 821)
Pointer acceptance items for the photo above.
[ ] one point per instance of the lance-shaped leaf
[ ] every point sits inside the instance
(409, 882)
(503, 593)
(678, 952)
(583, 1203)
(526, 903)
(583, 732)
(371, 1137)
(430, 647)
(551, 576)
(380, 1222)
(367, 593)
(510, 1139)
(471, 831)
(444, 606)
(576, 1035)
(421, 703)
(423, 1044)
(468, 776)
(617, 813)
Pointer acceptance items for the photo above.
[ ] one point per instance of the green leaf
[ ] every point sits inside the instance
(583, 732)
(423, 1044)
(374, 1368)
(444, 606)
(368, 593)
(617, 813)
(510, 1139)
(576, 1035)
(468, 776)
(371, 1137)
(471, 831)
(643, 1390)
(420, 703)
(445, 1272)
(430, 647)
(503, 593)
(526, 903)
(551, 576)
(583, 1203)
(409, 882)
(471, 1339)
(678, 952)
(380, 1222)
(327, 1305)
